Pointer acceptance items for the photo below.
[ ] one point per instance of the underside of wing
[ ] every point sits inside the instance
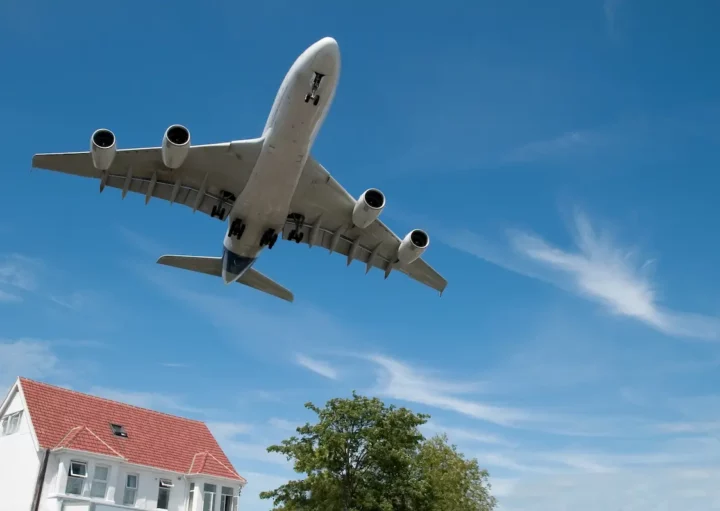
(324, 218)
(208, 180)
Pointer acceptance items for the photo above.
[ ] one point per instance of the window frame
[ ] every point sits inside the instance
(72, 476)
(191, 496)
(224, 495)
(164, 485)
(118, 430)
(212, 495)
(135, 489)
(10, 423)
(95, 479)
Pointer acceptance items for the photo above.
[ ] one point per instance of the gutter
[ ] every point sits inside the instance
(39, 481)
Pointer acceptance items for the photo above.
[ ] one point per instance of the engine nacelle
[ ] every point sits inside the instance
(102, 148)
(175, 146)
(413, 246)
(368, 207)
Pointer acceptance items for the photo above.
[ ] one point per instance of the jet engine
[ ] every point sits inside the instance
(368, 207)
(175, 146)
(102, 148)
(413, 246)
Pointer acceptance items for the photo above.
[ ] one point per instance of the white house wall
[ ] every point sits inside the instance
(19, 466)
(148, 484)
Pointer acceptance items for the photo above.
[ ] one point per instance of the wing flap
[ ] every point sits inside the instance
(380, 256)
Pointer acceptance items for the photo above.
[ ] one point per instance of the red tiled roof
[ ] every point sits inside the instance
(204, 463)
(70, 419)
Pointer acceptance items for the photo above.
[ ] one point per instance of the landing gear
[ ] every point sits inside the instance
(269, 238)
(295, 235)
(218, 211)
(317, 78)
(237, 228)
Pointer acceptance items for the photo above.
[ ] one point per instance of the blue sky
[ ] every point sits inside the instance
(563, 157)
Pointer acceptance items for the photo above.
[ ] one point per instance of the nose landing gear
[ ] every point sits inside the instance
(317, 78)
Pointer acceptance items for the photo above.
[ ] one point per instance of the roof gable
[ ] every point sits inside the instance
(65, 418)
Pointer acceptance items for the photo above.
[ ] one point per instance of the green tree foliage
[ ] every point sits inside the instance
(453, 483)
(361, 455)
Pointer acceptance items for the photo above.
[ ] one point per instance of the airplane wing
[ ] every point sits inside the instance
(211, 174)
(328, 207)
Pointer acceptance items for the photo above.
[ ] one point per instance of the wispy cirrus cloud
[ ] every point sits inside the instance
(403, 382)
(563, 145)
(596, 268)
(18, 273)
(152, 400)
(317, 366)
(26, 357)
(610, 9)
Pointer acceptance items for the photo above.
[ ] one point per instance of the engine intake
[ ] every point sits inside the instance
(175, 146)
(413, 246)
(102, 148)
(368, 207)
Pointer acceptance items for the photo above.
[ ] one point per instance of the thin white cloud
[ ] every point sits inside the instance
(597, 269)
(9, 297)
(317, 366)
(28, 358)
(19, 271)
(174, 365)
(464, 435)
(283, 424)
(562, 145)
(402, 382)
(152, 400)
(229, 430)
(610, 8)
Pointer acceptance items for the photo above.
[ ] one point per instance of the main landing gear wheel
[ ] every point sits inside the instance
(269, 238)
(298, 219)
(296, 236)
(237, 228)
(218, 212)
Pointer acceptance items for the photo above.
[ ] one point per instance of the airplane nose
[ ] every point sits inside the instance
(327, 55)
(228, 277)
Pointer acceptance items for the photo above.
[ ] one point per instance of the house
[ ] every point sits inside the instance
(61, 450)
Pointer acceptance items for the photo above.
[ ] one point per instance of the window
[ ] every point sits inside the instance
(118, 430)
(131, 485)
(76, 477)
(191, 496)
(226, 499)
(164, 493)
(209, 497)
(10, 423)
(99, 482)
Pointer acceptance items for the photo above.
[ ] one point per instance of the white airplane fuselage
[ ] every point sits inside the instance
(289, 133)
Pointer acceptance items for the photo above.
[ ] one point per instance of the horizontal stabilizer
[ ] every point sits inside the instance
(213, 266)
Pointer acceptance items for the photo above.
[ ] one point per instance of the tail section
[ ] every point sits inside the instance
(213, 266)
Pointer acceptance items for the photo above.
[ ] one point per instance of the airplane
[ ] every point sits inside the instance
(263, 187)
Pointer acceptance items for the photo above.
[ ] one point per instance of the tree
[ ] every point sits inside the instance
(358, 456)
(452, 482)
(361, 455)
